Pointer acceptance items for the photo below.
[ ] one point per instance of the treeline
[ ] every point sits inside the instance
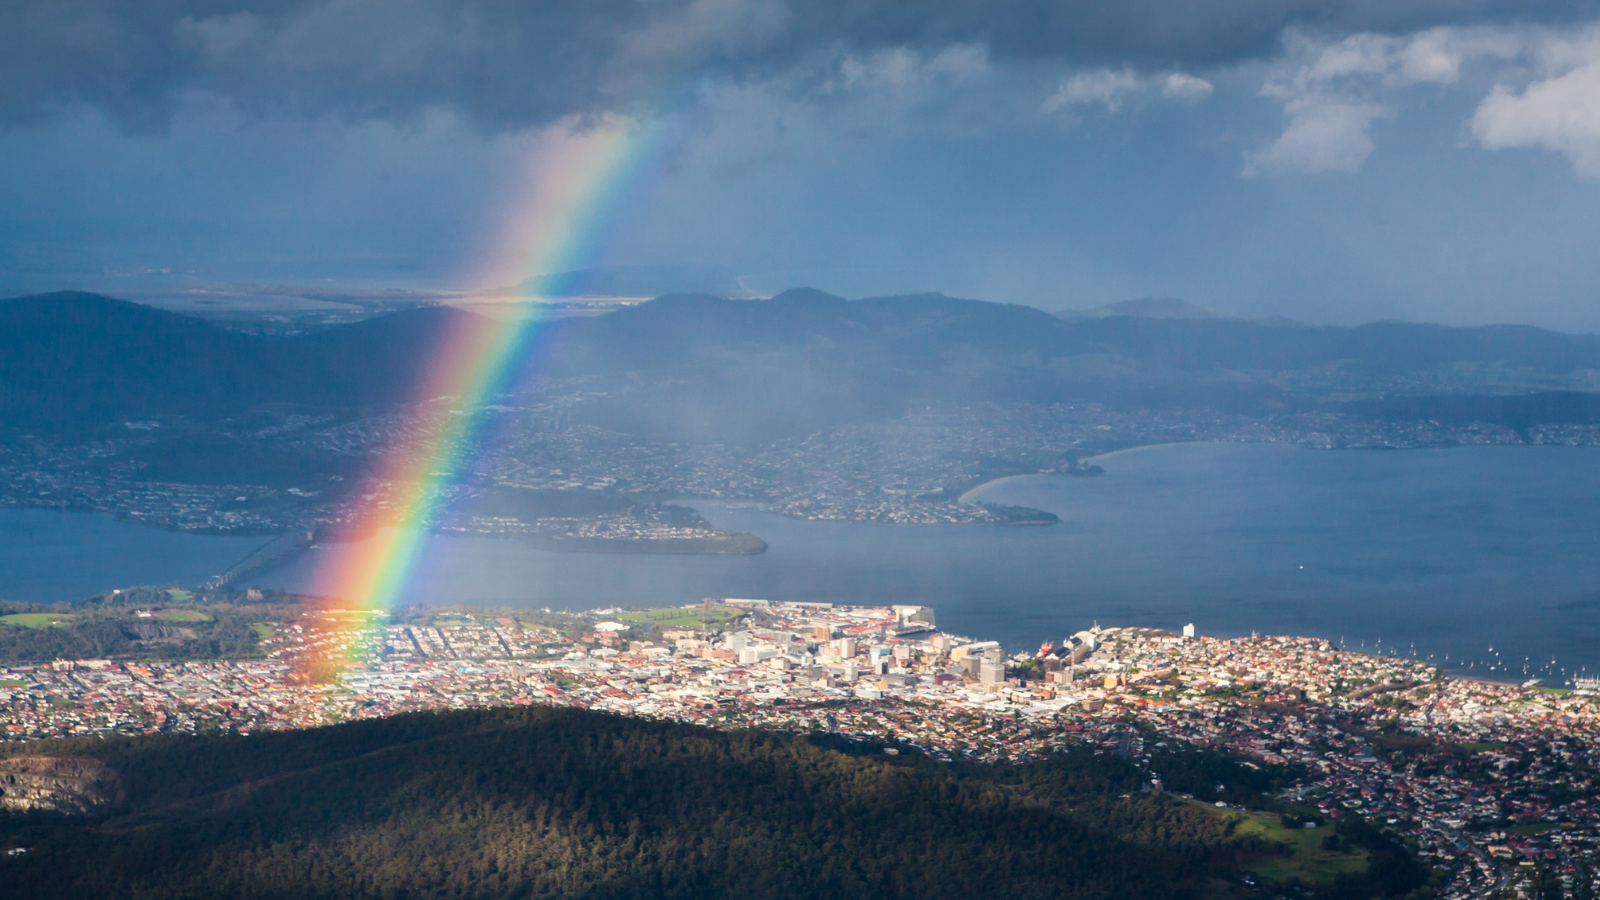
(1392, 870)
(1518, 412)
(109, 627)
(567, 803)
(100, 636)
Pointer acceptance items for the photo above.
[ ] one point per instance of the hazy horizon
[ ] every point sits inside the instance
(263, 300)
(1327, 163)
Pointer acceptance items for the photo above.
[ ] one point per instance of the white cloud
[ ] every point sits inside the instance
(1185, 87)
(1433, 56)
(1102, 86)
(1332, 93)
(1559, 112)
(1324, 135)
(1111, 88)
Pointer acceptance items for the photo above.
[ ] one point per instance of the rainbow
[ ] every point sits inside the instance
(577, 183)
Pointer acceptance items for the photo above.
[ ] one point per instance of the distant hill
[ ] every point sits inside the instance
(693, 366)
(634, 281)
(70, 358)
(803, 361)
(571, 804)
(912, 329)
(1148, 307)
(74, 360)
(1517, 412)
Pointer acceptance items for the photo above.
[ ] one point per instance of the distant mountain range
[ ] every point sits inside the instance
(1148, 307)
(702, 367)
(634, 281)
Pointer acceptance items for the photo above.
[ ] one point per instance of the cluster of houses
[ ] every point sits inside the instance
(1484, 777)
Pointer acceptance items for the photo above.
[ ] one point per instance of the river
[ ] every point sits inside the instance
(1427, 551)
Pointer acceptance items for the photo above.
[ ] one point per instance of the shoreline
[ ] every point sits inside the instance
(728, 544)
(1087, 460)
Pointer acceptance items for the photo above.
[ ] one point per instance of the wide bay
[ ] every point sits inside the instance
(1453, 551)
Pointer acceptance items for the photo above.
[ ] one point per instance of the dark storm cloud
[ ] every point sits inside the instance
(507, 64)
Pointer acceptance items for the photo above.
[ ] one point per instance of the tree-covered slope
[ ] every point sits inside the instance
(567, 803)
(570, 804)
(72, 361)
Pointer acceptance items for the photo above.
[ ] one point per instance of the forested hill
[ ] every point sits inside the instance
(699, 367)
(566, 803)
(75, 360)
(919, 327)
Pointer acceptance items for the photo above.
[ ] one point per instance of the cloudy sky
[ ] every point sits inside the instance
(1327, 160)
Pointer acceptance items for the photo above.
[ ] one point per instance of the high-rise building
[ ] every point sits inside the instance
(992, 671)
(1188, 630)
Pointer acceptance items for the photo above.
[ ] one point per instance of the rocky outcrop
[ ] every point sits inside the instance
(69, 784)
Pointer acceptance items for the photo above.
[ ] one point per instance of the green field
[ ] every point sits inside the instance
(38, 620)
(180, 615)
(178, 595)
(264, 631)
(1307, 861)
(12, 683)
(684, 617)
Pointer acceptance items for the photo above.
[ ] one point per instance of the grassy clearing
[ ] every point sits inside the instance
(264, 631)
(1307, 861)
(38, 620)
(684, 617)
(180, 615)
(178, 595)
(12, 683)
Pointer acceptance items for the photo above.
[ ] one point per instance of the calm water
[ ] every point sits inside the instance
(48, 556)
(1454, 550)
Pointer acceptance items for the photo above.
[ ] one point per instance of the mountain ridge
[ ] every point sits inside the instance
(745, 370)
